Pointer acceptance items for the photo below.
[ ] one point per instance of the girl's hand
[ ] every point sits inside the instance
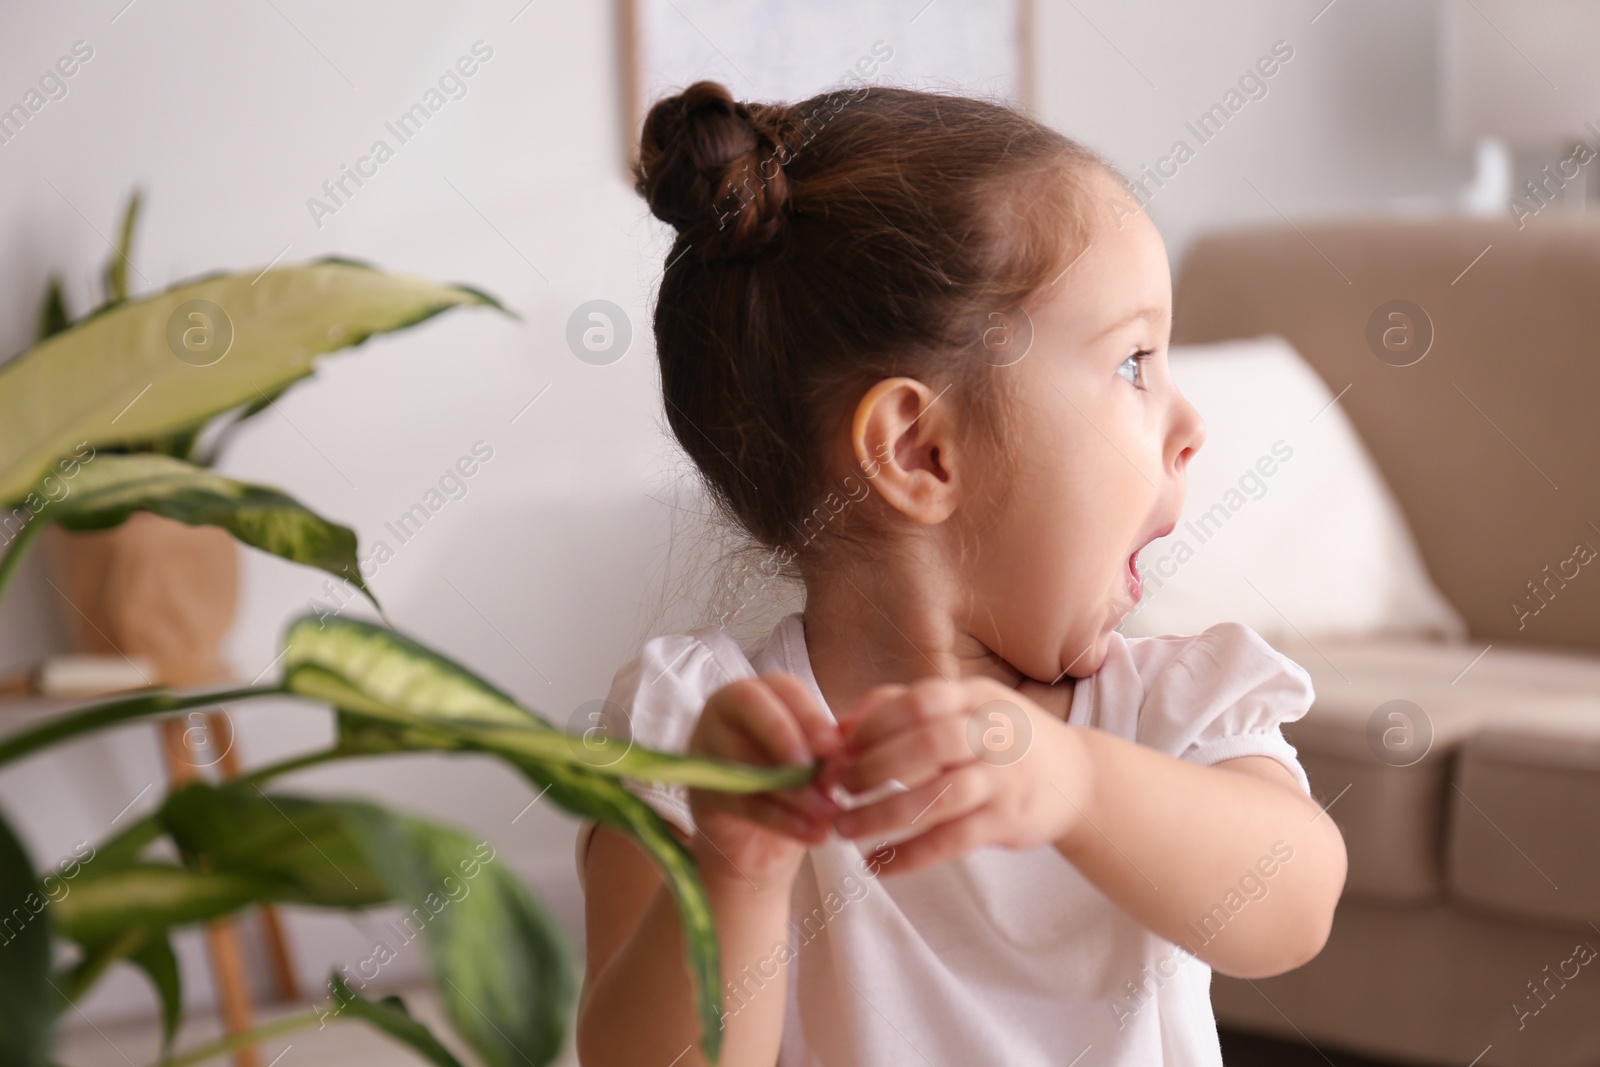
(984, 766)
(757, 840)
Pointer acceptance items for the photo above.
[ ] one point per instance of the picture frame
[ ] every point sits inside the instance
(771, 50)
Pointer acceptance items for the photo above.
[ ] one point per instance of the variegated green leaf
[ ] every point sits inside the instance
(155, 958)
(150, 951)
(373, 672)
(380, 676)
(26, 1000)
(387, 674)
(583, 792)
(298, 850)
(502, 967)
(102, 906)
(144, 369)
(111, 487)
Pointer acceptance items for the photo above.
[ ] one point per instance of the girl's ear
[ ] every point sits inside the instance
(904, 443)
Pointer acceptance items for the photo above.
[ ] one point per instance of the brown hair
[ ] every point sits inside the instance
(826, 245)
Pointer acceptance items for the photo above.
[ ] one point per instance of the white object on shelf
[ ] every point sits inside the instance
(84, 675)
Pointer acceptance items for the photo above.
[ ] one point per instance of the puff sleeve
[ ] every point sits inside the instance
(661, 692)
(1225, 694)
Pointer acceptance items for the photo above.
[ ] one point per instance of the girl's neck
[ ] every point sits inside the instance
(877, 627)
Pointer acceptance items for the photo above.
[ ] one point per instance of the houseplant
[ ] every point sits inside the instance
(500, 966)
(150, 588)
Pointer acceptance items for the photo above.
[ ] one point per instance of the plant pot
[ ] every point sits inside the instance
(150, 587)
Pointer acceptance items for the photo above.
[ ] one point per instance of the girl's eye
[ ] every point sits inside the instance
(1137, 361)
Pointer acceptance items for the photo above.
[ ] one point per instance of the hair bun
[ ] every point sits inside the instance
(713, 168)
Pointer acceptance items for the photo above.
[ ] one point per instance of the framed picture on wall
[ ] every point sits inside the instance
(773, 50)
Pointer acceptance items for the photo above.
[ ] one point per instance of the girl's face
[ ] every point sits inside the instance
(1106, 439)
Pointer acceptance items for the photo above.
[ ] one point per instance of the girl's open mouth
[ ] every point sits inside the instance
(1135, 582)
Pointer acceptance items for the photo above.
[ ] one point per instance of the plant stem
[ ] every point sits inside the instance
(234, 1043)
(123, 709)
(19, 549)
(310, 759)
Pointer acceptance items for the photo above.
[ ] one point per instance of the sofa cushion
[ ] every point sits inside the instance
(1386, 768)
(1511, 363)
(1524, 822)
(1287, 523)
(1432, 985)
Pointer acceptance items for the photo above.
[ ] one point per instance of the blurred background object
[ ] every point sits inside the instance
(1519, 76)
(71, 676)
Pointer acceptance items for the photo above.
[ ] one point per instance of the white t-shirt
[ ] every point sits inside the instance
(1000, 956)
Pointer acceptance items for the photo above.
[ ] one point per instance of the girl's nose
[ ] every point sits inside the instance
(1189, 433)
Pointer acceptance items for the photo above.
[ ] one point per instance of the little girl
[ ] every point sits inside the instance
(916, 345)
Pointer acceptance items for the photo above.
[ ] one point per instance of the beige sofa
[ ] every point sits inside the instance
(1470, 923)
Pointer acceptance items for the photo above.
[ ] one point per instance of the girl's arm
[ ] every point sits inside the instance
(636, 1006)
(1231, 861)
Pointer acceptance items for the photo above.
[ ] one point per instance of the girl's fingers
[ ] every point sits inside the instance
(832, 769)
(874, 699)
(920, 702)
(943, 842)
(911, 756)
(774, 816)
(949, 796)
(820, 731)
(805, 801)
(780, 812)
(752, 709)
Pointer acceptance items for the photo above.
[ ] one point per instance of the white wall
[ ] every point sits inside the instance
(544, 577)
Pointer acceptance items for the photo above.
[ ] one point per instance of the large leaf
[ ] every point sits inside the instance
(299, 851)
(242, 847)
(25, 995)
(155, 896)
(133, 372)
(584, 792)
(378, 676)
(388, 671)
(374, 672)
(502, 968)
(390, 1016)
(111, 487)
(145, 948)
(155, 958)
